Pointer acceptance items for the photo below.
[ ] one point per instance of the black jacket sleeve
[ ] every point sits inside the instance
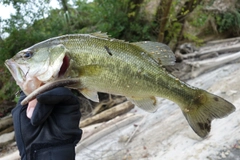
(53, 131)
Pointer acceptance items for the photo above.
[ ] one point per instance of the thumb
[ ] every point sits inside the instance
(31, 107)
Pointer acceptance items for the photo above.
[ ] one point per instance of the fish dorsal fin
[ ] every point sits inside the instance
(92, 95)
(100, 34)
(160, 52)
(106, 36)
(148, 104)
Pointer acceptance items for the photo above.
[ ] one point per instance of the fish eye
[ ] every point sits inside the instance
(27, 54)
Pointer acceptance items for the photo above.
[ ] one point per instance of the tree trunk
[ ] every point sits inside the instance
(187, 8)
(162, 17)
(5, 123)
(67, 15)
(64, 5)
(108, 114)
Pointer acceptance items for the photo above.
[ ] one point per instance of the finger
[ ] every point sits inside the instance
(40, 113)
(31, 107)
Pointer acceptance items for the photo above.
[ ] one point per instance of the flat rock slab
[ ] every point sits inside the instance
(166, 134)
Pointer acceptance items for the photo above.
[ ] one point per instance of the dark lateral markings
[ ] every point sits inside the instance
(215, 98)
(205, 126)
(108, 50)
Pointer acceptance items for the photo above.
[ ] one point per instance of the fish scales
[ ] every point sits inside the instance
(115, 65)
(147, 79)
(129, 67)
(103, 64)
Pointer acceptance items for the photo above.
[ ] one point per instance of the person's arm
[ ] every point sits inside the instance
(53, 130)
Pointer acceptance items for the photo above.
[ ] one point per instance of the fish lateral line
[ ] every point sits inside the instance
(49, 86)
(108, 50)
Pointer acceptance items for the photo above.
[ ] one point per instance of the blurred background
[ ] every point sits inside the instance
(173, 22)
(185, 25)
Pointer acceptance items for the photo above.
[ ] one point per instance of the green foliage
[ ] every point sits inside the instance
(173, 30)
(29, 26)
(27, 11)
(8, 87)
(35, 21)
(139, 32)
(228, 21)
(201, 18)
(192, 38)
(114, 25)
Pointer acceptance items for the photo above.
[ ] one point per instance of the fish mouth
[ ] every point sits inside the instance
(65, 65)
(16, 71)
(27, 79)
(19, 73)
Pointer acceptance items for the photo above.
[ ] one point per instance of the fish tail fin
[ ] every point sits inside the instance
(203, 109)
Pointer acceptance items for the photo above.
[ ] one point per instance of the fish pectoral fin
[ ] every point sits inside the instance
(160, 52)
(148, 104)
(92, 95)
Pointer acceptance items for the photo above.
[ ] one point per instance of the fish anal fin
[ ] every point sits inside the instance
(160, 52)
(148, 104)
(92, 95)
(204, 109)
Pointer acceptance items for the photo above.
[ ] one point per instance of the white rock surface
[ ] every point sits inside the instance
(166, 135)
(7, 137)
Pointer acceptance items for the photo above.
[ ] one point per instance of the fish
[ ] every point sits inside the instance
(95, 62)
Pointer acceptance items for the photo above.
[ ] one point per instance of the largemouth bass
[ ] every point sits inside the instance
(98, 63)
